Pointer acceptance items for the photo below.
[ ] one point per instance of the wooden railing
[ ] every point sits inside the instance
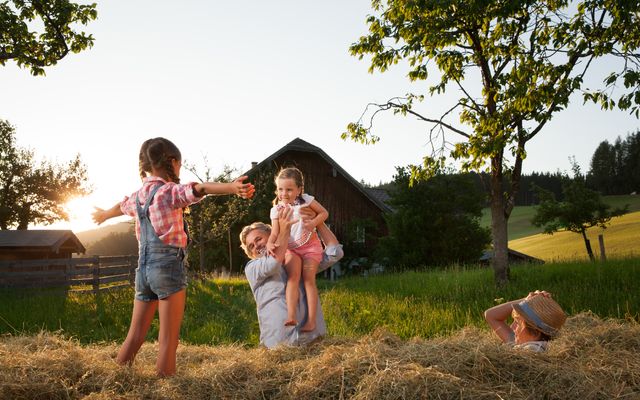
(91, 274)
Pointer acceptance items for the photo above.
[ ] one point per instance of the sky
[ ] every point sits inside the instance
(234, 82)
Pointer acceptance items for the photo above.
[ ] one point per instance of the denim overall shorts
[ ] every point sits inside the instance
(161, 270)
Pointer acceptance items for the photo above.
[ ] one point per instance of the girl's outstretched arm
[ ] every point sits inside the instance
(244, 190)
(100, 215)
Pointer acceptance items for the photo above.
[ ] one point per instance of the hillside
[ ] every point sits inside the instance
(621, 240)
(93, 235)
(520, 220)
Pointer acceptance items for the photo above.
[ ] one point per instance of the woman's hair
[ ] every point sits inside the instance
(261, 226)
(536, 332)
(289, 173)
(157, 153)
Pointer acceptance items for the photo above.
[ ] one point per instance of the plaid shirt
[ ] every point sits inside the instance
(165, 210)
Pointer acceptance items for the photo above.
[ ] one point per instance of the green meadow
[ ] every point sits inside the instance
(424, 304)
(520, 220)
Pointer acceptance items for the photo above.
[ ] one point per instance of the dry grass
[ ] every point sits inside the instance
(594, 359)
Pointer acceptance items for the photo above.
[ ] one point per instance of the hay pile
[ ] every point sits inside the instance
(594, 359)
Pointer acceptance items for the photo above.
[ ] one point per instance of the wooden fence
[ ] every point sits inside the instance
(92, 274)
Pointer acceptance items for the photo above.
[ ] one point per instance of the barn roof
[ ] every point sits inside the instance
(45, 239)
(487, 255)
(298, 144)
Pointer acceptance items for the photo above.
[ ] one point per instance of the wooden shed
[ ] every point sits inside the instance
(515, 257)
(354, 211)
(38, 244)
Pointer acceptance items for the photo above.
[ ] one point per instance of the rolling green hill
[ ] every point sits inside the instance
(87, 238)
(520, 220)
(621, 239)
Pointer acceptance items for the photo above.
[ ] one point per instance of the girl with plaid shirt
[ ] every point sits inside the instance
(162, 237)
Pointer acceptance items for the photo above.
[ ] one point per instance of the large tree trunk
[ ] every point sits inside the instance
(500, 260)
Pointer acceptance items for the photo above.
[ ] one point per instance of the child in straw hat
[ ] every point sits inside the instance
(536, 320)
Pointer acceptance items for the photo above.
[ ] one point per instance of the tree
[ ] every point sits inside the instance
(434, 222)
(581, 209)
(37, 50)
(631, 163)
(527, 58)
(35, 194)
(615, 169)
(603, 168)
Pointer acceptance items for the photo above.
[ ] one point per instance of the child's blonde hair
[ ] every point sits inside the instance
(157, 153)
(289, 173)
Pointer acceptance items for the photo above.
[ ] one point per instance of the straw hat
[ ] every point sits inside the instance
(542, 313)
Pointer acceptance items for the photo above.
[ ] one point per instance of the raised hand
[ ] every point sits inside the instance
(99, 215)
(271, 248)
(244, 190)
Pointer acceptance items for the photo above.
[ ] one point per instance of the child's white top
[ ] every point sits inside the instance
(299, 235)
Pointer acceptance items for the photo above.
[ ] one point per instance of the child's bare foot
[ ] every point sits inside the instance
(308, 327)
(291, 322)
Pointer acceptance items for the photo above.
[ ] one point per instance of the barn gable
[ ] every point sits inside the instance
(348, 202)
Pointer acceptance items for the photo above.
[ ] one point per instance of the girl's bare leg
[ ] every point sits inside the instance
(309, 269)
(328, 238)
(171, 311)
(141, 318)
(293, 265)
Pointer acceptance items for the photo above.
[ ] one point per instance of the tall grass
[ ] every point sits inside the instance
(435, 303)
(424, 304)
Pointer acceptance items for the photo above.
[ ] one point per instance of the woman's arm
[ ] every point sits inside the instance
(321, 215)
(497, 317)
(100, 215)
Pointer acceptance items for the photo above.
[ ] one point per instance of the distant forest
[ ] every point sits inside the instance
(614, 170)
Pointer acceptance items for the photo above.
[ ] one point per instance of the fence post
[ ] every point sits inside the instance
(96, 275)
(603, 256)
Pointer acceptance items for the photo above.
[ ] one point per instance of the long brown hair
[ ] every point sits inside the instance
(290, 173)
(157, 153)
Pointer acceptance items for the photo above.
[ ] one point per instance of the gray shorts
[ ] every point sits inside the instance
(160, 274)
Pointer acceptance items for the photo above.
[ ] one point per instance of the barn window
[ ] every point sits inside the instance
(359, 234)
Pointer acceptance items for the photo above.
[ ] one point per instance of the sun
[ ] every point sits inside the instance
(79, 210)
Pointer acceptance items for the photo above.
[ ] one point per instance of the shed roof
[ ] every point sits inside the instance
(43, 239)
(298, 144)
(487, 255)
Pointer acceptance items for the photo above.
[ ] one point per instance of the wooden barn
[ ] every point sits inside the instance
(38, 244)
(355, 212)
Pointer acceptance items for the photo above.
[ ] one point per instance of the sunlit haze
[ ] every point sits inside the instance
(235, 81)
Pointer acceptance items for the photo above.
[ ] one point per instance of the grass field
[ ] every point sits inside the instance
(520, 221)
(621, 239)
(423, 304)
